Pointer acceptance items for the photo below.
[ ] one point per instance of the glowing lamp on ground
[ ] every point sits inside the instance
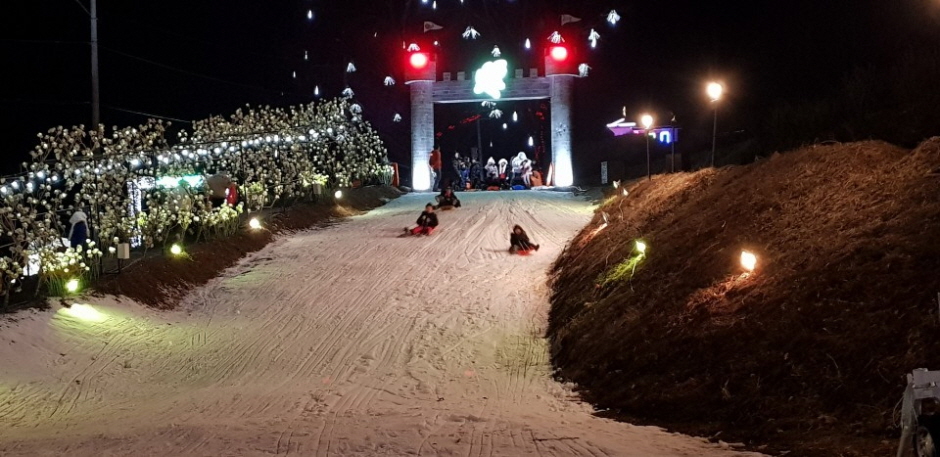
(714, 91)
(748, 261)
(176, 249)
(641, 247)
(625, 193)
(84, 312)
(559, 53)
(72, 285)
(419, 60)
(254, 223)
(338, 194)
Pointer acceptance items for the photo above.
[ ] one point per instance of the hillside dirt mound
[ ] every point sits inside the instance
(160, 281)
(806, 354)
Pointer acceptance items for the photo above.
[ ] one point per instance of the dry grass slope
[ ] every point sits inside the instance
(807, 354)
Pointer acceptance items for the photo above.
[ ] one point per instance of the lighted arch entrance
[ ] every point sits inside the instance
(426, 91)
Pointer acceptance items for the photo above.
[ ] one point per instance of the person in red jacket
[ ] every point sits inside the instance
(436, 164)
(427, 222)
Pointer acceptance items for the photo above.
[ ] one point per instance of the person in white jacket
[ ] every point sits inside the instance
(517, 163)
(492, 172)
(79, 233)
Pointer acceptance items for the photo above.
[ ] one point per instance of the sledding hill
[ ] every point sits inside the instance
(806, 354)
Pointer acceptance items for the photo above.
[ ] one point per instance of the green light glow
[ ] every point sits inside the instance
(72, 285)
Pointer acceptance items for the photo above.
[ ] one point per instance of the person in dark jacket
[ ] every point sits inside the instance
(447, 198)
(519, 241)
(427, 222)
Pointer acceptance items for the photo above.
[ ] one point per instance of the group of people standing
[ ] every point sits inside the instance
(520, 172)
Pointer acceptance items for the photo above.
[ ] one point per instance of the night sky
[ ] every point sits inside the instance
(185, 60)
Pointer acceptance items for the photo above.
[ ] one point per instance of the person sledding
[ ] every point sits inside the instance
(519, 242)
(427, 222)
(447, 199)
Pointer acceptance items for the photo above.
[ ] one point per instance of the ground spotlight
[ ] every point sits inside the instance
(254, 223)
(72, 285)
(641, 247)
(176, 249)
(748, 261)
(338, 194)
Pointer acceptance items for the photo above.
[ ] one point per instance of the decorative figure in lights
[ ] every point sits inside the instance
(348, 93)
(489, 78)
(583, 70)
(613, 17)
(496, 114)
(389, 81)
(350, 68)
(593, 37)
(397, 118)
(488, 104)
(471, 33)
(496, 52)
(413, 47)
(355, 108)
(556, 38)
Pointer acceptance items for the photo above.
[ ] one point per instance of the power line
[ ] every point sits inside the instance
(192, 39)
(199, 75)
(149, 115)
(83, 7)
(42, 102)
(26, 40)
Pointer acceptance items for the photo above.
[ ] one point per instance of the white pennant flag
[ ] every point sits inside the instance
(566, 18)
(428, 26)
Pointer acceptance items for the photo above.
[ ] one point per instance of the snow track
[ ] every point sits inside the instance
(345, 341)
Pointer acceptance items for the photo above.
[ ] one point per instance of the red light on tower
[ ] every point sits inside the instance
(419, 60)
(559, 53)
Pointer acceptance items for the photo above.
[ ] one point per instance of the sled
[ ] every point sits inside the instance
(446, 207)
(408, 233)
(522, 252)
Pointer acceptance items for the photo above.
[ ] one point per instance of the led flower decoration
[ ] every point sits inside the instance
(350, 68)
(348, 93)
(556, 38)
(397, 118)
(496, 114)
(496, 52)
(389, 81)
(583, 70)
(413, 47)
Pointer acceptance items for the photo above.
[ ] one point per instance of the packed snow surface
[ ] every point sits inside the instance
(343, 341)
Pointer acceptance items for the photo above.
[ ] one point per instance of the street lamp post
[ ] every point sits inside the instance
(714, 91)
(647, 121)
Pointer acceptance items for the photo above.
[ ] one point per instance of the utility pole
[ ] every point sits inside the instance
(95, 100)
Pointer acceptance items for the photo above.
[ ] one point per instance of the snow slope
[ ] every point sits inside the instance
(346, 341)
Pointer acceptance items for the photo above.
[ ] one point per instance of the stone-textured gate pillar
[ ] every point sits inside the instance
(561, 93)
(422, 133)
(420, 76)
